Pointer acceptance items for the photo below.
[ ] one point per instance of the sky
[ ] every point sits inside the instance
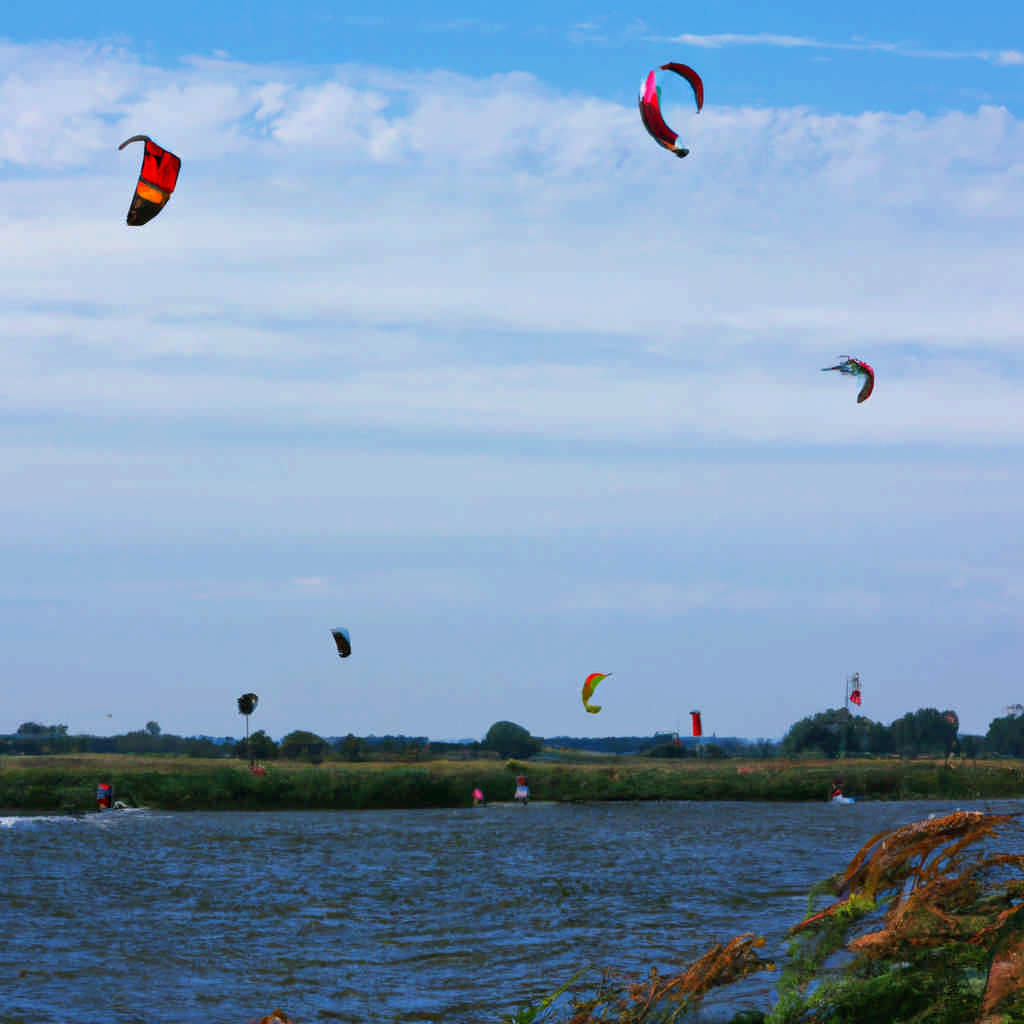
(434, 343)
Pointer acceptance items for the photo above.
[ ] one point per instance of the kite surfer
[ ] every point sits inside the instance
(837, 796)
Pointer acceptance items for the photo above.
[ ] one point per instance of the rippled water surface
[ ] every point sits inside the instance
(381, 917)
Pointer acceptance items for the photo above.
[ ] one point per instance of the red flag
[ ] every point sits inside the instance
(695, 716)
(855, 697)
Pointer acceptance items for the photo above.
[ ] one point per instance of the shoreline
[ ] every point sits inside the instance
(68, 782)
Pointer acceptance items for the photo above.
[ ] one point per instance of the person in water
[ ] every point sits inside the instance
(522, 790)
(837, 790)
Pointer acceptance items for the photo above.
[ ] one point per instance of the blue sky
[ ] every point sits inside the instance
(435, 343)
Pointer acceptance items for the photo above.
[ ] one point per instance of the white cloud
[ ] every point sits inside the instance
(717, 40)
(344, 114)
(435, 313)
(336, 248)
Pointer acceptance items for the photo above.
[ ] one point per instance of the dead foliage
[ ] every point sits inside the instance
(634, 1001)
(929, 892)
(934, 890)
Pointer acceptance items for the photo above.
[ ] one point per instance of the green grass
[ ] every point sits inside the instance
(68, 782)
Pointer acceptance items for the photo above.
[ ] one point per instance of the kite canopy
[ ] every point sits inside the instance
(695, 719)
(156, 182)
(856, 368)
(854, 686)
(650, 106)
(589, 686)
(342, 641)
(247, 703)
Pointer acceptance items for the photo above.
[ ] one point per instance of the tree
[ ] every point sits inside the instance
(970, 747)
(259, 746)
(35, 729)
(153, 728)
(836, 733)
(826, 733)
(303, 745)
(1006, 735)
(351, 748)
(925, 731)
(511, 740)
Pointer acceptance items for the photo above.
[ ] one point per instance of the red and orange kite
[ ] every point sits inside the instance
(157, 179)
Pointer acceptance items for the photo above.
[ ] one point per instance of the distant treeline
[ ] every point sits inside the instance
(666, 744)
(34, 738)
(831, 734)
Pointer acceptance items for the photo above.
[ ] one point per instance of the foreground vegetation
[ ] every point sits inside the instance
(68, 782)
(925, 925)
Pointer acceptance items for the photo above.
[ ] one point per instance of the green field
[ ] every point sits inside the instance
(68, 782)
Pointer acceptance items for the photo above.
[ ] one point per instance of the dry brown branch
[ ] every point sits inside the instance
(720, 965)
(912, 866)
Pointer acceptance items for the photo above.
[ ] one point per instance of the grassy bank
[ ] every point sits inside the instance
(179, 783)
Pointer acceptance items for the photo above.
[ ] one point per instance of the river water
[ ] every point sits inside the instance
(381, 917)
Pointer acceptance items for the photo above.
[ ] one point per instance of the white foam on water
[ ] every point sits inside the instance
(15, 820)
